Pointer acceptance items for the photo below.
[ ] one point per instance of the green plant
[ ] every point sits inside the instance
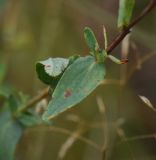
(70, 79)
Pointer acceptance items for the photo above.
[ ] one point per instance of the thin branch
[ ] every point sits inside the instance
(104, 118)
(127, 29)
(142, 61)
(69, 142)
(140, 137)
(79, 137)
(121, 134)
(135, 138)
(68, 132)
(34, 100)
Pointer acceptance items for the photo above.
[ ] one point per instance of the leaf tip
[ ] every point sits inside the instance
(87, 28)
(45, 117)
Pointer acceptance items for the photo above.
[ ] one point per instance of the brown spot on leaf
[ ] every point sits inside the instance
(67, 93)
(47, 66)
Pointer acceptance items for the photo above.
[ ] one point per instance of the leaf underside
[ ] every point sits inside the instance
(77, 82)
(49, 71)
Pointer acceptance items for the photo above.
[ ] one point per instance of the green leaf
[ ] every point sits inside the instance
(49, 71)
(5, 91)
(10, 134)
(49, 76)
(30, 120)
(91, 40)
(16, 100)
(73, 58)
(77, 82)
(13, 103)
(125, 12)
(55, 66)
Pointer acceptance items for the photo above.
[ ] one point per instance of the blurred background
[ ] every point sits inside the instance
(112, 123)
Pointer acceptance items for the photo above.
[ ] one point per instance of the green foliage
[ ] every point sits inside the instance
(13, 123)
(77, 82)
(91, 40)
(13, 103)
(125, 12)
(74, 78)
(5, 91)
(30, 119)
(50, 71)
(10, 134)
(55, 66)
(73, 58)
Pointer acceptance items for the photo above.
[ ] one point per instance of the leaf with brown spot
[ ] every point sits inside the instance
(77, 82)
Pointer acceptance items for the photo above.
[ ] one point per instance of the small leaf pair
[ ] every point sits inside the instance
(99, 54)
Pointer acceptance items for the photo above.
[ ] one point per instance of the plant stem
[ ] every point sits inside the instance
(127, 29)
(34, 100)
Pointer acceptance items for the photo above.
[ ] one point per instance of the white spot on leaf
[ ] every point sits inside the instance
(55, 66)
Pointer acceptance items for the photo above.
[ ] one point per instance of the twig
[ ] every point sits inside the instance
(137, 138)
(81, 138)
(121, 133)
(34, 100)
(127, 29)
(70, 142)
(68, 132)
(102, 110)
(140, 137)
(142, 61)
(134, 138)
